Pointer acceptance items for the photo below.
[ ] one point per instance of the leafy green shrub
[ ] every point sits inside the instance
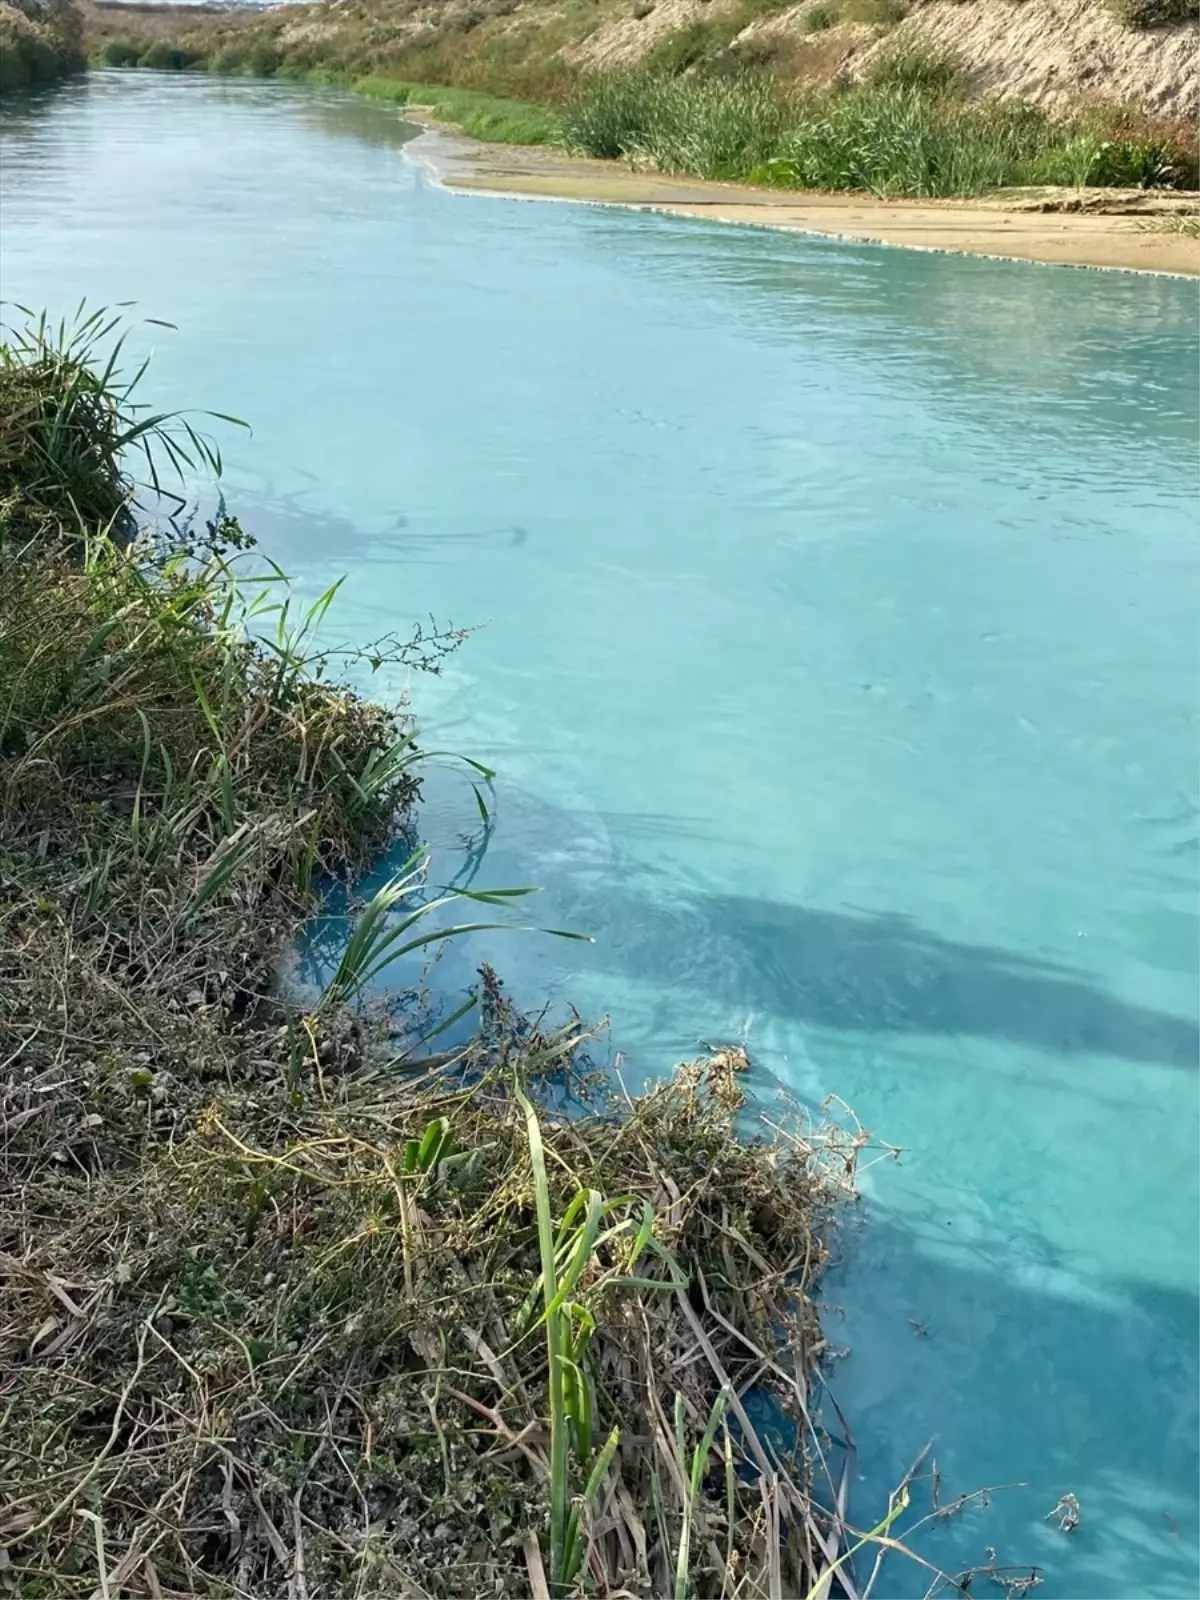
(262, 60)
(1138, 151)
(25, 60)
(1142, 164)
(821, 16)
(228, 60)
(881, 13)
(121, 53)
(39, 40)
(713, 44)
(305, 63)
(164, 57)
(699, 44)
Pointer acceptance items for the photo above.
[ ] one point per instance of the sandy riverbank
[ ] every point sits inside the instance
(1125, 230)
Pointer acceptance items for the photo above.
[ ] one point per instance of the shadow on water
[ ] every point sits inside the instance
(295, 529)
(1027, 1367)
(1026, 1360)
(1020, 1370)
(869, 972)
(879, 973)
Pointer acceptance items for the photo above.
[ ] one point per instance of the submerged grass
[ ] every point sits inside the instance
(289, 1305)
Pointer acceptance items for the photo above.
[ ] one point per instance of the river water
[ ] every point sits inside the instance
(840, 669)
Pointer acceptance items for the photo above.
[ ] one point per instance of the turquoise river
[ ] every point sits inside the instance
(838, 657)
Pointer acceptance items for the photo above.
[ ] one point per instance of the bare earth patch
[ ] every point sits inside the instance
(1055, 52)
(622, 41)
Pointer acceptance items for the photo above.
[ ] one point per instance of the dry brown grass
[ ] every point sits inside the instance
(255, 1349)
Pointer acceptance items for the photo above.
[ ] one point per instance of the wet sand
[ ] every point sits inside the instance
(1127, 230)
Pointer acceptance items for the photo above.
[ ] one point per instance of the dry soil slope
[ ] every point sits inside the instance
(1053, 52)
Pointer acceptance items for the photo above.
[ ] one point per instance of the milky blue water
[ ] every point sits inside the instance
(840, 669)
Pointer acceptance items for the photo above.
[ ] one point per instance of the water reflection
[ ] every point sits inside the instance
(340, 115)
(365, 121)
(983, 335)
(28, 115)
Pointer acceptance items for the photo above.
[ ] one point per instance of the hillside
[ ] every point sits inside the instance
(1055, 53)
(1051, 52)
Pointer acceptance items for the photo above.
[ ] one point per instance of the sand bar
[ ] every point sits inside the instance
(1128, 230)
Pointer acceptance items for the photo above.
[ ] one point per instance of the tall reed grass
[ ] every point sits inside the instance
(905, 133)
(192, 687)
(71, 425)
(714, 127)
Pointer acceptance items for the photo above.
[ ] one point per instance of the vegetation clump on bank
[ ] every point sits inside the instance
(1148, 14)
(908, 130)
(480, 116)
(289, 1304)
(39, 40)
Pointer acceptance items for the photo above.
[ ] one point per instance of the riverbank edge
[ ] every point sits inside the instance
(1123, 230)
(212, 1187)
(1148, 231)
(41, 42)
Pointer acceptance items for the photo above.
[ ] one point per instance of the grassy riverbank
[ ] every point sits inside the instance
(482, 116)
(910, 129)
(715, 97)
(40, 40)
(292, 1303)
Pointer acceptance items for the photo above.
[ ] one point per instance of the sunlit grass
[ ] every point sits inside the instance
(482, 116)
(910, 131)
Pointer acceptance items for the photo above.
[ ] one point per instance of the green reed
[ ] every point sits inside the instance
(907, 132)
